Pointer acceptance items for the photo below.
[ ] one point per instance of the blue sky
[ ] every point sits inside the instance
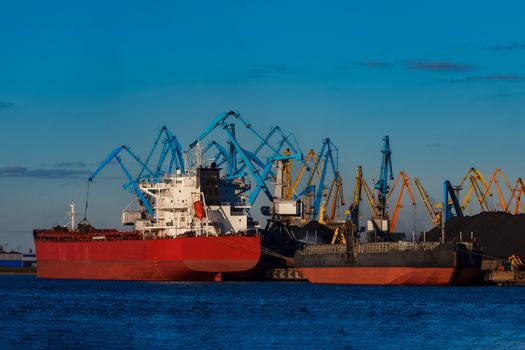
(445, 80)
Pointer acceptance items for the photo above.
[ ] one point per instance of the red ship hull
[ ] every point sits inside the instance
(391, 275)
(168, 259)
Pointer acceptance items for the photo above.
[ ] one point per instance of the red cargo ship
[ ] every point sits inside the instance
(108, 254)
(189, 227)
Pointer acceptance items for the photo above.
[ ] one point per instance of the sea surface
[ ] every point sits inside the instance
(71, 314)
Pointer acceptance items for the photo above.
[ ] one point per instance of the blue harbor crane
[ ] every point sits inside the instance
(449, 193)
(385, 175)
(114, 155)
(170, 146)
(327, 156)
(249, 159)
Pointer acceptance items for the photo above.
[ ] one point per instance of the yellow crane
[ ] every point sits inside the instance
(368, 193)
(518, 190)
(476, 178)
(479, 194)
(405, 186)
(337, 185)
(311, 157)
(433, 211)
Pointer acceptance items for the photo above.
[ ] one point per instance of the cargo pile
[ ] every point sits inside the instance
(499, 234)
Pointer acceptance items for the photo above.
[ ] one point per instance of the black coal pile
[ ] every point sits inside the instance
(313, 233)
(499, 234)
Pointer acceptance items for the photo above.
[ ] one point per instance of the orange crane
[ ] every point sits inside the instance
(494, 180)
(519, 188)
(433, 211)
(476, 178)
(406, 186)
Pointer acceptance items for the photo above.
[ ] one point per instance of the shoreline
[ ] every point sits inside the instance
(17, 271)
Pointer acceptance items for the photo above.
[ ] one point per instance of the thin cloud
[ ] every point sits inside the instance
(19, 171)
(6, 105)
(375, 64)
(440, 66)
(70, 165)
(265, 70)
(508, 46)
(495, 78)
(436, 145)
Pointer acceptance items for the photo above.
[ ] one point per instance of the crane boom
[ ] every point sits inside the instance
(405, 186)
(434, 215)
(115, 155)
(449, 192)
(494, 180)
(385, 175)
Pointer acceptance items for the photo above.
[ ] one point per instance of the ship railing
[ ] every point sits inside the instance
(325, 249)
(385, 247)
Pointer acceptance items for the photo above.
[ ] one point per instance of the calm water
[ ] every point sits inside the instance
(61, 314)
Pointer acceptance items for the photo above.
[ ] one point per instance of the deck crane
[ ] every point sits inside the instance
(477, 184)
(114, 155)
(407, 185)
(385, 175)
(494, 180)
(221, 122)
(433, 212)
(518, 191)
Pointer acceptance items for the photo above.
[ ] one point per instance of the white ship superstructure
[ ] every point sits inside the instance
(197, 203)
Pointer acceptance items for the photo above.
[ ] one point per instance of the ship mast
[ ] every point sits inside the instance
(72, 213)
